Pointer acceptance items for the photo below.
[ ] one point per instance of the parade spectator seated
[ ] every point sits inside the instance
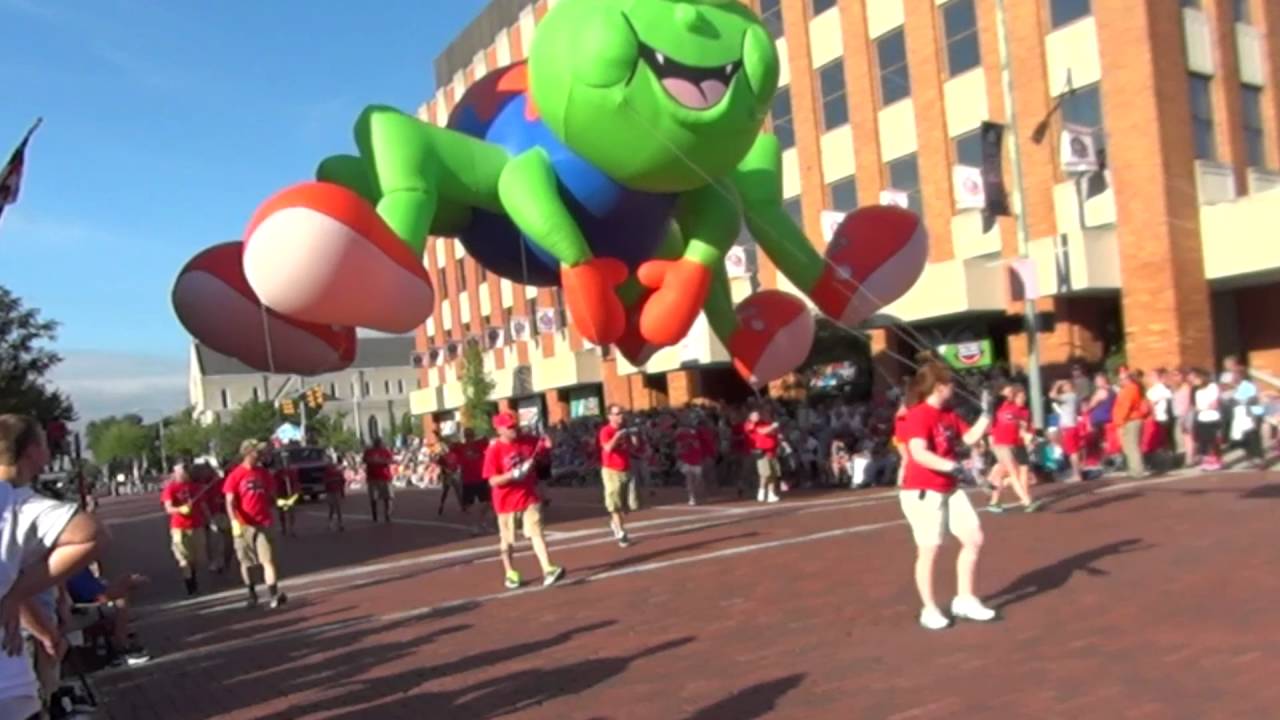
(104, 607)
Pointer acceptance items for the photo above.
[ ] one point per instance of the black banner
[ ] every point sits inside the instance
(997, 198)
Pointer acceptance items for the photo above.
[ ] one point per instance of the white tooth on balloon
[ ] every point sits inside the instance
(662, 60)
(728, 69)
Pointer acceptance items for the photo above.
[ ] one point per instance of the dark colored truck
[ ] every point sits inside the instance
(308, 469)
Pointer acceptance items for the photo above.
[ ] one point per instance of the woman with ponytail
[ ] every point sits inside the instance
(930, 498)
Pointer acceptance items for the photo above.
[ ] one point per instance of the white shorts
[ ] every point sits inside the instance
(932, 515)
(690, 469)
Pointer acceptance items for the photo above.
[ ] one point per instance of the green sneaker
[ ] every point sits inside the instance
(1033, 506)
(995, 508)
(512, 580)
(552, 576)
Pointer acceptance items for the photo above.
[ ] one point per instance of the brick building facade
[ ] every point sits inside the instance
(1173, 258)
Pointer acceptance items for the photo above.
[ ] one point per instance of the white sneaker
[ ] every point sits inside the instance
(773, 498)
(971, 608)
(933, 619)
(692, 502)
(760, 495)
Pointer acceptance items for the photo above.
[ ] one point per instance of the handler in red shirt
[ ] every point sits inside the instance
(377, 472)
(1011, 424)
(250, 490)
(508, 466)
(467, 457)
(616, 446)
(929, 496)
(762, 438)
(691, 453)
(182, 499)
(218, 534)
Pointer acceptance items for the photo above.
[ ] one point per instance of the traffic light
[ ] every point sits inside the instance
(315, 397)
(286, 406)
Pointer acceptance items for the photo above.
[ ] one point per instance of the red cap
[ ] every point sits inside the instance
(504, 420)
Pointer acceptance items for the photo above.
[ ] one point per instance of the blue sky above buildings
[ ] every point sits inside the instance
(165, 125)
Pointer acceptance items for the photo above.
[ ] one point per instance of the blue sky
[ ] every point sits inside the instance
(165, 125)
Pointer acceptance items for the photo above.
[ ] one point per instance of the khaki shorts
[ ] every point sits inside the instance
(380, 491)
(767, 467)
(532, 523)
(931, 514)
(691, 470)
(254, 546)
(188, 546)
(617, 491)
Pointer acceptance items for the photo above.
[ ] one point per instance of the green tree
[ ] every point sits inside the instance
(25, 360)
(477, 386)
(410, 426)
(254, 420)
(183, 436)
(331, 431)
(117, 442)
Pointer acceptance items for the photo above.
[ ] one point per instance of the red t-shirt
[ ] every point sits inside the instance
(214, 502)
(709, 440)
(468, 457)
(766, 443)
(502, 457)
(689, 448)
(615, 459)
(899, 428)
(1005, 428)
(183, 492)
(377, 465)
(941, 431)
(253, 492)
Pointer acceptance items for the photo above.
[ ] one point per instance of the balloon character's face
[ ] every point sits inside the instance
(662, 95)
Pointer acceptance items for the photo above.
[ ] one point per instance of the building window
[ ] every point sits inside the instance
(1202, 118)
(462, 276)
(1255, 144)
(968, 149)
(771, 15)
(960, 21)
(794, 209)
(1193, 4)
(835, 107)
(844, 194)
(562, 320)
(821, 6)
(1243, 13)
(400, 387)
(442, 278)
(255, 394)
(226, 399)
(895, 79)
(1083, 108)
(386, 386)
(333, 390)
(904, 175)
(1062, 12)
(368, 389)
(481, 274)
(781, 113)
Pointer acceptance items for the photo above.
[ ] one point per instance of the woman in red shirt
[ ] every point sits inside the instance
(1009, 431)
(930, 499)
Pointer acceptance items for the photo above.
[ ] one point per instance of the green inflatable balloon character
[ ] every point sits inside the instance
(619, 164)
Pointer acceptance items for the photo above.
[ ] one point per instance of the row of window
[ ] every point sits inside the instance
(1203, 123)
(256, 393)
(1241, 12)
(956, 14)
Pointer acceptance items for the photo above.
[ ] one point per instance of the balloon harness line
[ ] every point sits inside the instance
(912, 337)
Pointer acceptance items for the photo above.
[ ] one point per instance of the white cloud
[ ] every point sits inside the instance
(104, 383)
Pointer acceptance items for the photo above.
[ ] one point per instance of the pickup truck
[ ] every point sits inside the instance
(308, 469)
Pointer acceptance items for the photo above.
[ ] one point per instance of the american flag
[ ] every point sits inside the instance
(11, 174)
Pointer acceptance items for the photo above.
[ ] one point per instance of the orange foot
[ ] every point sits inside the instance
(320, 253)
(590, 292)
(680, 288)
(774, 336)
(875, 256)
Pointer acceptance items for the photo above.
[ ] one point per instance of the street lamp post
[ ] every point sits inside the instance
(1035, 384)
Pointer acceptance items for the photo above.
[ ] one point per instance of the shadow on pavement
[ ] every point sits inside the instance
(1052, 577)
(496, 697)
(753, 702)
(1102, 501)
(630, 559)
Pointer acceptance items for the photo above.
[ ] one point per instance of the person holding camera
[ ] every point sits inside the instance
(762, 438)
(930, 496)
(620, 497)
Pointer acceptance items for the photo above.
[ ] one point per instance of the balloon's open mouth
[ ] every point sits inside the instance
(693, 87)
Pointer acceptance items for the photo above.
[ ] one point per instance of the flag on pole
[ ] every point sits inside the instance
(11, 174)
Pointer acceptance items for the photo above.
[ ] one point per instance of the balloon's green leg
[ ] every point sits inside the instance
(758, 179)
(709, 222)
(427, 178)
(530, 196)
(719, 306)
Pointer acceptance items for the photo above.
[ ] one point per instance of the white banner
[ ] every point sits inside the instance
(520, 330)
(546, 319)
(735, 262)
(893, 196)
(970, 192)
(1078, 150)
(831, 220)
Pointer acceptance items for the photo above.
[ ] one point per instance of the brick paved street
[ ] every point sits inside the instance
(1121, 600)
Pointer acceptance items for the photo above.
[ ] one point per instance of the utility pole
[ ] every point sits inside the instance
(1035, 389)
(359, 390)
(303, 411)
(164, 457)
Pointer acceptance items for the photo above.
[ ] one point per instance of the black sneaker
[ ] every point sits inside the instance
(623, 540)
(252, 602)
(279, 601)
